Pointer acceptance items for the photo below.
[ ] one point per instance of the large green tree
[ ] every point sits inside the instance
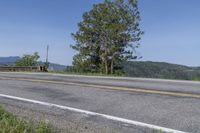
(107, 36)
(28, 60)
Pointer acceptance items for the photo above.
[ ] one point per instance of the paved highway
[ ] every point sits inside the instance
(119, 104)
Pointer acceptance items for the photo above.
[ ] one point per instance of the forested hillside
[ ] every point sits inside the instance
(161, 70)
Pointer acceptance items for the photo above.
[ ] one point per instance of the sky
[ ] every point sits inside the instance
(172, 29)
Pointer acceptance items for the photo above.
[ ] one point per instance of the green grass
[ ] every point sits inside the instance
(196, 78)
(87, 74)
(11, 124)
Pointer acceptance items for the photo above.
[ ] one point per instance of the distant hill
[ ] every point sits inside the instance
(160, 70)
(196, 68)
(54, 66)
(5, 61)
(10, 61)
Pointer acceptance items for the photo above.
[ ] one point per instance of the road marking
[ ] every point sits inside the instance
(180, 94)
(114, 118)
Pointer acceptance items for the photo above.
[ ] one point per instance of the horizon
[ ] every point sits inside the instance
(171, 29)
(128, 61)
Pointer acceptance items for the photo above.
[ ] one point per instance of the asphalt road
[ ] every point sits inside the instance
(165, 103)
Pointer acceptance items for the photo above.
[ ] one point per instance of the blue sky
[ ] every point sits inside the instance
(172, 29)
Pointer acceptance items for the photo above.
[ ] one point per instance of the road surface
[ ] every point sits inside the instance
(119, 104)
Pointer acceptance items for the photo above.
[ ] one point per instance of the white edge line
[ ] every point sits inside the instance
(114, 118)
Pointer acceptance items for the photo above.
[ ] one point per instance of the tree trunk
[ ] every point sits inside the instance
(106, 60)
(112, 66)
(106, 66)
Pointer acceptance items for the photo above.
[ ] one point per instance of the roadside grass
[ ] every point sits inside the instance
(196, 79)
(11, 124)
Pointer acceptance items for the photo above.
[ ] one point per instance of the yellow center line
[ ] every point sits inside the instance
(180, 94)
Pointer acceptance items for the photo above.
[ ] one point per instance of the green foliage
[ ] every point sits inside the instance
(28, 60)
(11, 124)
(73, 70)
(46, 64)
(161, 70)
(197, 77)
(107, 36)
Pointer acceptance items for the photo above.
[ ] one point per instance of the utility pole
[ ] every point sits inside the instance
(47, 57)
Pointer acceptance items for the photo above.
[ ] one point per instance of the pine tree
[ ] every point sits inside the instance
(107, 36)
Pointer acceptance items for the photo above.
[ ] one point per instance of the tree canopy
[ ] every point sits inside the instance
(107, 36)
(28, 60)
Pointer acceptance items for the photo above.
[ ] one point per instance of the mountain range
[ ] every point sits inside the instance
(6, 61)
